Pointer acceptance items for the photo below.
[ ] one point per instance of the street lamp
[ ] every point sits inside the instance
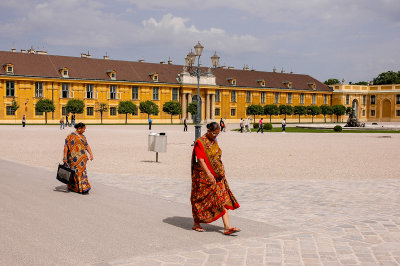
(196, 71)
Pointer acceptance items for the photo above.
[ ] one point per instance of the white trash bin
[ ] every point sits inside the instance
(157, 142)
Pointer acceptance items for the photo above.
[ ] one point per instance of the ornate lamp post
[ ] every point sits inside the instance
(196, 71)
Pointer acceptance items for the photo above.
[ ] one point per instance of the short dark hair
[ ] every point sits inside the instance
(212, 126)
(80, 125)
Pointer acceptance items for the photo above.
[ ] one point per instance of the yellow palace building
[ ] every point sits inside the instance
(28, 76)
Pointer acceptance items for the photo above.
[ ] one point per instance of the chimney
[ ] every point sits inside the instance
(23, 51)
(282, 71)
(83, 55)
(13, 50)
(223, 67)
(88, 55)
(231, 67)
(31, 51)
(291, 72)
(169, 61)
(162, 62)
(106, 57)
(141, 61)
(274, 70)
(41, 52)
(245, 67)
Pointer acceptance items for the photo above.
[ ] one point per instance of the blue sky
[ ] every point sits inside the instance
(351, 39)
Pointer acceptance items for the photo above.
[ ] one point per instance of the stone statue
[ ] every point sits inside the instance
(353, 121)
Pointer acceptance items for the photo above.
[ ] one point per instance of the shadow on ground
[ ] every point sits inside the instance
(187, 223)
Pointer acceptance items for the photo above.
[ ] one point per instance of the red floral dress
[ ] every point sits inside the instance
(208, 199)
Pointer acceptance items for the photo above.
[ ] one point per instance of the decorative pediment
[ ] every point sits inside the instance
(154, 76)
(112, 74)
(64, 72)
(261, 82)
(9, 68)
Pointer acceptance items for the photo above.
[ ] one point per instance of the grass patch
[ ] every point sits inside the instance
(309, 130)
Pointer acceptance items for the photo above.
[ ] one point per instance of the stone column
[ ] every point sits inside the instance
(207, 118)
(212, 106)
(184, 95)
(189, 95)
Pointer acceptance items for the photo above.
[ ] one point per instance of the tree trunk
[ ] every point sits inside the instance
(285, 116)
(126, 119)
(312, 119)
(45, 117)
(171, 119)
(270, 119)
(325, 118)
(299, 119)
(101, 117)
(337, 118)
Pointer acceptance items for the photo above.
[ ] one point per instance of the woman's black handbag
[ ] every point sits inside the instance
(65, 174)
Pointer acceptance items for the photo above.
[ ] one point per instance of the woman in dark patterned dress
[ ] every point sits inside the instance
(211, 197)
(76, 157)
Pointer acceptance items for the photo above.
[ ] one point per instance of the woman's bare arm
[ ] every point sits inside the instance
(205, 168)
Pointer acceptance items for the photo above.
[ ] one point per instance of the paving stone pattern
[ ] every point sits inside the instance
(323, 222)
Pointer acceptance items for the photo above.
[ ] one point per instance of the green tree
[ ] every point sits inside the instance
(14, 107)
(192, 109)
(271, 109)
(254, 109)
(127, 107)
(75, 106)
(313, 110)
(149, 108)
(339, 110)
(172, 108)
(285, 109)
(389, 77)
(349, 110)
(300, 110)
(45, 106)
(331, 82)
(326, 110)
(361, 83)
(102, 108)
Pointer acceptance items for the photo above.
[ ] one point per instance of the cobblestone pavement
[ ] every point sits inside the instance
(323, 222)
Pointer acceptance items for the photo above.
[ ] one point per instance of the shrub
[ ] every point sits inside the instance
(375, 123)
(337, 128)
(256, 125)
(267, 126)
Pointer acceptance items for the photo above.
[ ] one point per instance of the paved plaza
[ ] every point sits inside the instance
(306, 199)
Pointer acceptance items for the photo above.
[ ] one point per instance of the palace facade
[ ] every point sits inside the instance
(28, 76)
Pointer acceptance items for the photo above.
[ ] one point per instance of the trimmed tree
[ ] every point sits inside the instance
(149, 108)
(326, 110)
(102, 108)
(271, 109)
(45, 106)
(339, 110)
(75, 106)
(172, 108)
(331, 82)
(192, 109)
(313, 110)
(300, 110)
(254, 109)
(127, 107)
(285, 109)
(14, 107)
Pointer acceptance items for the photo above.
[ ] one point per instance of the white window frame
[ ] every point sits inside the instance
(89, 108)
(301, 98)
(113, 108)
(218, 96)
(10, 88)
(373, 100)
(289, 99)
(156, 93)
(175, 94)
(90, 91)
(314, 99)
(233, 96)
(325, 99)
(248, 96)
(135, 93)
(276, 99)
(38, 89)
(263, 97)
(234, 110)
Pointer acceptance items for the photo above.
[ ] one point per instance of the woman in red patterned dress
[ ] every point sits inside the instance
(75, 156)
(211, 197)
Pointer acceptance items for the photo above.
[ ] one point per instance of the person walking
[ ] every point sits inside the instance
(247, 125)
(222, 125)
(260, 126)
(75, 156)
(150, 121)
(211, 197)
(23, 120)
(184, 125)
(66, 120)
(284, 125)
(62, 123)
(73, 120)
(241, 124)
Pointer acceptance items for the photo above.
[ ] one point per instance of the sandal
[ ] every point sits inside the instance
(231, 231)
(198, 229)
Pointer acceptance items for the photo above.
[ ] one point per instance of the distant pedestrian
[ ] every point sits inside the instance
(241, 124)
(75, 156)
(73, 120)
(62, 123)
(23, 120)
(222, 125)
(211, 197)
(284, 125)
(150, 122)
(184, 125)
(247, 125)
(66, 120)
(260, 126)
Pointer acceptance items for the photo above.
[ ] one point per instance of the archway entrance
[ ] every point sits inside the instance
(386, 110)
(355, 108)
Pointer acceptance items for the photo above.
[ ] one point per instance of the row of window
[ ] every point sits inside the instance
(276, 97)
(372, 99)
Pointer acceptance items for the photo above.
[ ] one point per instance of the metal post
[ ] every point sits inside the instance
(198, 122)
(156, 157)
